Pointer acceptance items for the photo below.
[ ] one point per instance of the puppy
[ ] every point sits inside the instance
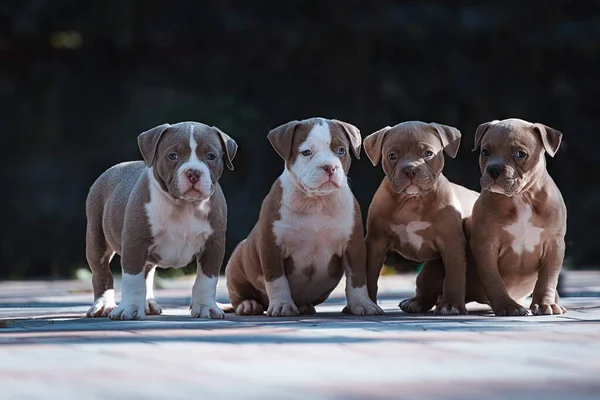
(419, 213)
(309, 231)
(518, 226)
(163, 212)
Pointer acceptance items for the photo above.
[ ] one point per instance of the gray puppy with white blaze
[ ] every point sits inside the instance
(164, 211)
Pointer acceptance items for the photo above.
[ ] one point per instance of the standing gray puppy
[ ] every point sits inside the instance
(163, 212)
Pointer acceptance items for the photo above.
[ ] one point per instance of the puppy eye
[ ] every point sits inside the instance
(306, 153)
(211, 156)
(485, 152)
(393, 156)
(428, 154)
(341, 151)
(520, 154)
(172, 156)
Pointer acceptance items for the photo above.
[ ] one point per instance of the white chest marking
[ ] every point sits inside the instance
(408, 233)
(526, 236)
(322, 230)
(179, 231)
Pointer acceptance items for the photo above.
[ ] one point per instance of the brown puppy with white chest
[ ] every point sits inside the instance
(419, 213)
(309, 231)
(164, 211)
(518, 226)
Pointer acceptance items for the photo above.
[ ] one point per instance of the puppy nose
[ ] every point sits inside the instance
(193, 175)
(409, 172)
(329, 169)
(495, 170)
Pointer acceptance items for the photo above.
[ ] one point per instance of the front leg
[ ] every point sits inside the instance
(360, 301)
(485, 255)
(152, 307)
(454, 257)
(133, 290)
(544, 299)
(277, 286)
(376, 248)
(204, 292)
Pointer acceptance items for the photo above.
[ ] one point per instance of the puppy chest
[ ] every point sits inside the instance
(413, 241)
(177, 244)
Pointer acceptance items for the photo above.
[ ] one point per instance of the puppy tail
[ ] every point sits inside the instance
(226, 307)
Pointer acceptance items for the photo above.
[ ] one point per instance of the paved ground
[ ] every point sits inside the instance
(47, 350)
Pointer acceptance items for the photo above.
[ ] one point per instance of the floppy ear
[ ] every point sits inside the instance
(449, 136)
(373, 143)
(480, 131)
(281, 138)
(353, 135)
(550, 137)
(148, 142)
(229, 147)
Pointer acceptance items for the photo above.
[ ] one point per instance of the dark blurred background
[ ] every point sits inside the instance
(79, 80)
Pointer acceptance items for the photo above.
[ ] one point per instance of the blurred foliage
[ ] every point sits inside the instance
(80, 80)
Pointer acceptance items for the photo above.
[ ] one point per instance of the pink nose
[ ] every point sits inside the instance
(193, 175)
(329, 169)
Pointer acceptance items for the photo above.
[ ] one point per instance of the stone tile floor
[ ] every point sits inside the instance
(49, 351)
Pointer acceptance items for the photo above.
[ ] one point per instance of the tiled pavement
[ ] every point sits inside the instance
(48, 351)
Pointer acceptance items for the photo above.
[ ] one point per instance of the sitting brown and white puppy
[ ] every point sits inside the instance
(309, 231)
(419, 213)
(518, 226)
(163, 212)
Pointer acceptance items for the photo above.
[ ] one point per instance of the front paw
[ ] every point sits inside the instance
(415, 305)
(282, 309)
(362, 307)
(206, 311)
(547, 309)
(127, 311)
(450, 308)
(152, 307)
(509, 308)
(101, 308)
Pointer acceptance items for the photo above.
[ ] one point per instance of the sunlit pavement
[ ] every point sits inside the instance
(48, 350)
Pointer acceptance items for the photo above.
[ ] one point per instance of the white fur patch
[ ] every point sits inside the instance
(179, 230)
(204, 292)
(312, 237)
(309, 169)
(204, 185)
(409, 233)
(278, 290)
(526, 236)
(133, 298)
(103, 305)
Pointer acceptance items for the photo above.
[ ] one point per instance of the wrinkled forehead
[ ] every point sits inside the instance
(511, 135)
(317, 134)
(186, 134)
(412, 136)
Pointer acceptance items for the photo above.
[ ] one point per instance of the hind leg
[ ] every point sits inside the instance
(245, 299)
(152, 307)
(99, 255)
(429, 288)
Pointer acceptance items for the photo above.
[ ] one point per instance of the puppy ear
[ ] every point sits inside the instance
(550, 137)
(450, 138)
(148, 142)
(480, 131)
(229, 147)
(281, 139)
(373, 144)
(353, 135)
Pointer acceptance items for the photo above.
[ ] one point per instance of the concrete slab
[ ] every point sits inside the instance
(48, 350)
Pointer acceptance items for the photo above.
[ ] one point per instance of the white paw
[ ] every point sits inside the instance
(206, 311)
(127, 311)
(152, 307)
(249, 307)
(101, 307)
(362, 307)
(282, 309)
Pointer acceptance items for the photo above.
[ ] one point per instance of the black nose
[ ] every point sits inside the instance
(495, 170)
(409, 172)
(193, 175)
(329, 169)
